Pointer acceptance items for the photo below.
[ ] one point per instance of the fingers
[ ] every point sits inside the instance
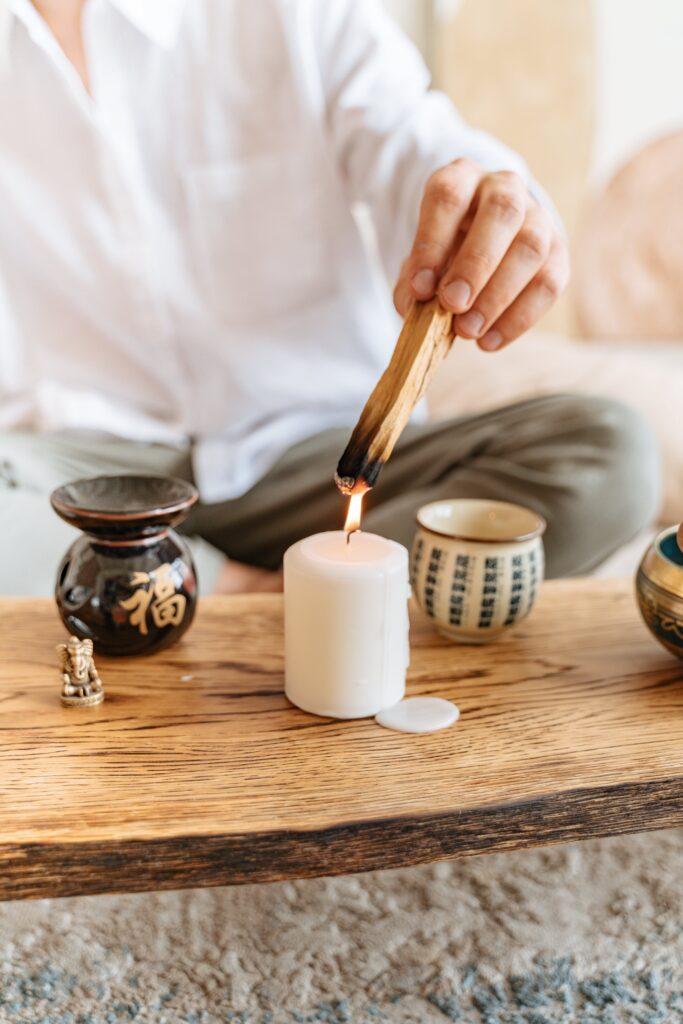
(502, 204)
(522, 261)
(535, 300)
(490, 251)
(448, 196)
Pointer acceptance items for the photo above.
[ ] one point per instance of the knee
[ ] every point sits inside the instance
(615, 490)
(631, 468)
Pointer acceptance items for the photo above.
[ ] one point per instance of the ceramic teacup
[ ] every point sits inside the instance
(476, 566)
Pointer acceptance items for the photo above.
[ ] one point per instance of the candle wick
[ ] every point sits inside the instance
(349, 534)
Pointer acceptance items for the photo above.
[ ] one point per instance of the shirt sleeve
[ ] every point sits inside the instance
(389, 131)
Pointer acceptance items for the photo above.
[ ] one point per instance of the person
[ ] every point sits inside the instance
(202, 206)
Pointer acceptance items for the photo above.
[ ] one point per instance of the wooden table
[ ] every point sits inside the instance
(572, 727)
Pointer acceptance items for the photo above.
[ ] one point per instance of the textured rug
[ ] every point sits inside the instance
(591, 933)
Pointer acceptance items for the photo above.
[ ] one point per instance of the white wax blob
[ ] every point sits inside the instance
(419, 714)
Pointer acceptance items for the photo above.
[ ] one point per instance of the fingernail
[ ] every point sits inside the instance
(491, 341)
(424, 282)
(457, 294)
(471, 323)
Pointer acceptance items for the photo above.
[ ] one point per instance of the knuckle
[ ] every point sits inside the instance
(506, 203)
(535, 241)
(478, 263)
(510, 178)
(463, 164)
(427, 252)
(519, 324)
(551, 282)
(446, 190)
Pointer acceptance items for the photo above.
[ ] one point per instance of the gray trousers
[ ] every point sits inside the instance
(589, 466)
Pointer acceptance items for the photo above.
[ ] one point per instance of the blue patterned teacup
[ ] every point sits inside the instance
(476, 566)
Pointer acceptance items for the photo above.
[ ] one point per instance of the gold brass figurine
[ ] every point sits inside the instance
(82, 686)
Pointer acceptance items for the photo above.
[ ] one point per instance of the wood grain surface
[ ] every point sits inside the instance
(571, 727)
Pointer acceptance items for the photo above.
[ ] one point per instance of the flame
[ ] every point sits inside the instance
(354, 514)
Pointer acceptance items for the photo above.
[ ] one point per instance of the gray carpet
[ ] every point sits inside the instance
(587, 933)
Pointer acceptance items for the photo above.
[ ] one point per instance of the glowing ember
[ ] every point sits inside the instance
(354, 514)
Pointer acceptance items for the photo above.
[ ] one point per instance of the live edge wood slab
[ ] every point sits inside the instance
(571, 727)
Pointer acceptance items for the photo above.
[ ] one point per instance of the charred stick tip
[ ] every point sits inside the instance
(345, 484)
(363, 481)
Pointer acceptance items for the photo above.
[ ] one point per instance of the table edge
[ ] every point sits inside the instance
(36, 870)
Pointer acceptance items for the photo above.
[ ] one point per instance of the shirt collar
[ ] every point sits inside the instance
(159, 20)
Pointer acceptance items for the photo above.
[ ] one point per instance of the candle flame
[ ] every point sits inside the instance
(354, 514)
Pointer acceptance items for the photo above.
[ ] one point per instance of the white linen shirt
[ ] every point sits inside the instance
(181, 255)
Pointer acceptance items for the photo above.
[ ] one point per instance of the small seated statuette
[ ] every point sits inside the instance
(81, 685)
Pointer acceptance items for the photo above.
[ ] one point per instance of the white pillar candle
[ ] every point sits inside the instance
(346, 624)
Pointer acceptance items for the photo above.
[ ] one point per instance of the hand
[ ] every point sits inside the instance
(489, 250)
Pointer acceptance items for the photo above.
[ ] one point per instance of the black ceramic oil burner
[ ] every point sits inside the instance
(129, 583)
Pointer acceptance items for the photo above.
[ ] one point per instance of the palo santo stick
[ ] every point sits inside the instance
(423, 344)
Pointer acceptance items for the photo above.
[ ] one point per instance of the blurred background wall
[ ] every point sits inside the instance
(582, 89)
